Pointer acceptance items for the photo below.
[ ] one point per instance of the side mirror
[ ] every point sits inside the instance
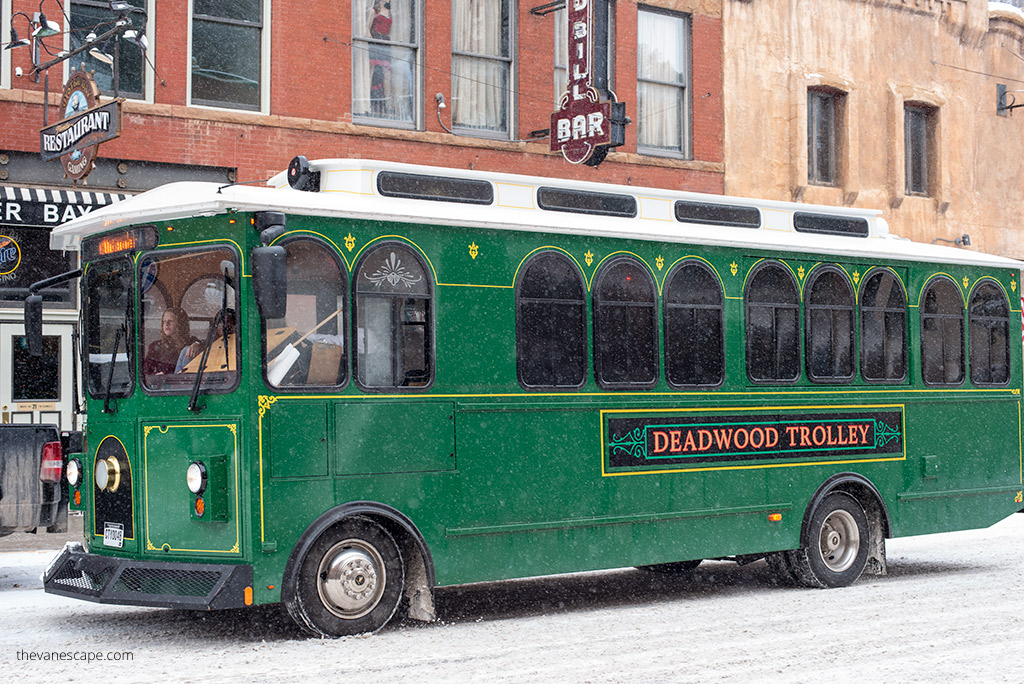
(34, 324)
(269, 281)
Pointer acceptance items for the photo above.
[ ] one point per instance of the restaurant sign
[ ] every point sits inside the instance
(583, 123)
(76, 138)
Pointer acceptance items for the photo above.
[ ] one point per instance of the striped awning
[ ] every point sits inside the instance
(46, 208)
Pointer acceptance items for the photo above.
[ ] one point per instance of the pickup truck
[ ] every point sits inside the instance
(32, 484)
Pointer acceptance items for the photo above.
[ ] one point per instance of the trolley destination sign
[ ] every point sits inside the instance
(661, 441)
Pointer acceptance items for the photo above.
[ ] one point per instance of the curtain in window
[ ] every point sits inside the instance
(383, 76)
(480, 64)
(662, 48)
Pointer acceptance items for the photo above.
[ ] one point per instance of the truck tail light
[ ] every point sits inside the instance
(52, 464)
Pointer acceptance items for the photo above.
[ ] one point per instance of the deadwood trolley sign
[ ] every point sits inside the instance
(636, 377)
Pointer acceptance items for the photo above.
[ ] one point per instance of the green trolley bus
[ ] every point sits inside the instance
(370, 379)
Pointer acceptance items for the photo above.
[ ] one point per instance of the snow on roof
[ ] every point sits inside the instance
(348, 190)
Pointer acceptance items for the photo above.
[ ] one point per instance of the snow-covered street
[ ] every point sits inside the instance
(950, 609)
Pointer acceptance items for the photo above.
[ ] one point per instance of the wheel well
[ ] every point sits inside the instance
(867, 495)
(416, 558)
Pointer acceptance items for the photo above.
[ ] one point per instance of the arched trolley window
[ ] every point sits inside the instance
(989, 316)
(306, 348)
(394, 319)
(942, 333)
(625, 325)
(828, 307)
(883, 329)
(773, 324)
(551, 324)
(694, 327)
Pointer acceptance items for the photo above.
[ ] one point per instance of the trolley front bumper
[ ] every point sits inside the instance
(126, 581)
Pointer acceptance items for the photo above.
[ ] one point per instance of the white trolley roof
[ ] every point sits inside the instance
(348, 189)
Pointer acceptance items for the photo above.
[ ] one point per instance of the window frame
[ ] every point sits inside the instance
(685, 120)
(918, 141)
(598, 306)
(430, 315)
(816, 99)
(1001, 295)
(720, 307)
(810, 327)
(797, 337)
(933, 282)
(343, 327)
(865, 309)
(584, 319)
(130, 344)
(510, 36)
(148, 74)
(416, 68)
(264, 27)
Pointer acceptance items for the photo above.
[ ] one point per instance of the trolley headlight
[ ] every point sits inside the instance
(195, 477)
(74, 472)
(107, 474)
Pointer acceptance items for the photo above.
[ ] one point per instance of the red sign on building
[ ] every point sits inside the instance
(583, 121)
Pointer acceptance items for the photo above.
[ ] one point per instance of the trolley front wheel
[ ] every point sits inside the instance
(349, 581)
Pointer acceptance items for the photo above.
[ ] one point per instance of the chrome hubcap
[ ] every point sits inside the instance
(351, 578)
(839, 541)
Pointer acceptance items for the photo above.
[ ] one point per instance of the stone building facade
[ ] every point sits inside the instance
(886, 104)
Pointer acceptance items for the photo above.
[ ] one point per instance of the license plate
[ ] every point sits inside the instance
(113, 534)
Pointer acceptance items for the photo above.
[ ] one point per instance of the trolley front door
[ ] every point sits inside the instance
(36, 389)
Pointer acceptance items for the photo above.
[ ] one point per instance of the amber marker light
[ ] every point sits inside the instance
(248, 596)
(200, 506)
(774, 517)
(78, 497)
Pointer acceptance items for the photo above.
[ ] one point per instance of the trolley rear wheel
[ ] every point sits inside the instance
(837, 541)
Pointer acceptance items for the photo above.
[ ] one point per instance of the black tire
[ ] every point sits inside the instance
(836, 543)
(348, 582)
(672, 568)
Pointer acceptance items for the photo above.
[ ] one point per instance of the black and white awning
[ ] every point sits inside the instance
(42, 208)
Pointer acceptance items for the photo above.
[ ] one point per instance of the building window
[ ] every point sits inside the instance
(551, 324)
(663, 82)
(917, 139)
(942, 333)
(625, 326)
(829, 312)
(93, 17)
(227, 53)
(385, 55)
(824, 109)
(482, 66)
(694, 331)
(883, 329)
(773, 325)
(393, 309)
(562, 57)
(306, 347)
(990, 336)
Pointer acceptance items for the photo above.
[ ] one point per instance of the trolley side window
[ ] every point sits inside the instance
(306, 348)
(829, 323)
(942, 333)
(773, 325)
(694, 327)
(989, 327)
(393, 312)
(883, 329)
(551, 324)
(625, 326)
